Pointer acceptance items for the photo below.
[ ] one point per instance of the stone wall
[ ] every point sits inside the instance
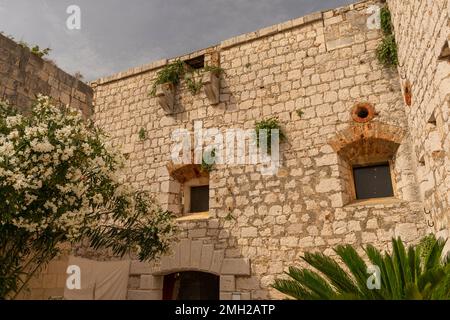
(322, 65)
(23, 75)
(49, 282)
(422, 33)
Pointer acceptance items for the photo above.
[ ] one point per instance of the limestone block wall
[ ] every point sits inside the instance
(146, 279)
(270, 221)
(49, 282)
(23, 75)
(422, 33)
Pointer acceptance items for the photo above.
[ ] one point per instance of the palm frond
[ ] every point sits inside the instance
(338, 278)
(413, 273)
(358, 268)
(313, 281)
(293, 289)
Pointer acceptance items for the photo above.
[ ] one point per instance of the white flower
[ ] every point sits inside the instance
(97, 199)
(41, 146)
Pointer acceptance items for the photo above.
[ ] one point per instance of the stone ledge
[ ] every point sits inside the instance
(148, 67)
(138, 267)
(130, 72)
(194, 217)
(239, 266)
(375, 201)
(271, 30)
(144, 295)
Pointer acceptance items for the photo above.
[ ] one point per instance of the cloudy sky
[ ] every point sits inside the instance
(116, 35)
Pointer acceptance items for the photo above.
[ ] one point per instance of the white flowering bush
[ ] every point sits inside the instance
(60, 182)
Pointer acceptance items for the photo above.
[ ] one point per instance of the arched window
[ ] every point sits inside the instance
(367, 160)
(189, 189)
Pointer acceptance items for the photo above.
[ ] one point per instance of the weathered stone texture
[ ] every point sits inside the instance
(422, 31)
(322, 64)
(23, 75)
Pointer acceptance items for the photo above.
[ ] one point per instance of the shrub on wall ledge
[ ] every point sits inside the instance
(36, 50)
(175, 71)
(387, 50)
(61, 183)
(171, 73)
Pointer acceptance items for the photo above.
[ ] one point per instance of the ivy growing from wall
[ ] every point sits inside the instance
(387, 49)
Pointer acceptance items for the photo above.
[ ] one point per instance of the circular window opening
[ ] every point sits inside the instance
(363, 112)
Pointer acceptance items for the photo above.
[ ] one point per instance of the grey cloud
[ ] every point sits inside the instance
(116, 35)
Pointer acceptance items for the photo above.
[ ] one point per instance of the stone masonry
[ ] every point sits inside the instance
(23, 75)
(422, 33)
(312, 73)
(322, 64)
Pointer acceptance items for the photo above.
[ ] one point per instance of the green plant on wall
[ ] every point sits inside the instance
(214, 69)
(193, 77)
(269, 125)
(299, 112)
(387, 50)
(142, 134)
(40, 52)
(36, 50)
(386, 22)
(418, 272)
(171, 73)
(175, 71)
(192, 81)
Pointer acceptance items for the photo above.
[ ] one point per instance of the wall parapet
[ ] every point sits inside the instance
(23, 75)
(238, 40)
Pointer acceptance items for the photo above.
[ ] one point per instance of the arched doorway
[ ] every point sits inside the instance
(191, 285)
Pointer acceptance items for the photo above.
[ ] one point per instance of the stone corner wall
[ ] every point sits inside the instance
(422, 31)
(23, 75)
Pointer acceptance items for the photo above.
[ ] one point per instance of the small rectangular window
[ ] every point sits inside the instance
(445, 53)
(196, 63)
(373, 181)
(199, 199)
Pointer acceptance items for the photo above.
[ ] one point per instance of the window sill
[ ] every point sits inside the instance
(374, 201)
(194, 216)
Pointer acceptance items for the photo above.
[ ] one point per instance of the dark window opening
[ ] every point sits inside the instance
(199, 199)
(432, 120)
(191, 286)
(445, 53)
(363, 113)
(422, 161)
(373, 181)
(196, 63)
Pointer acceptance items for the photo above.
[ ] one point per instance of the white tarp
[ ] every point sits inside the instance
(100, 280)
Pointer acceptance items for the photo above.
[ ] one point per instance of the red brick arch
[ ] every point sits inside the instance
(185, 172)
(368, 142)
